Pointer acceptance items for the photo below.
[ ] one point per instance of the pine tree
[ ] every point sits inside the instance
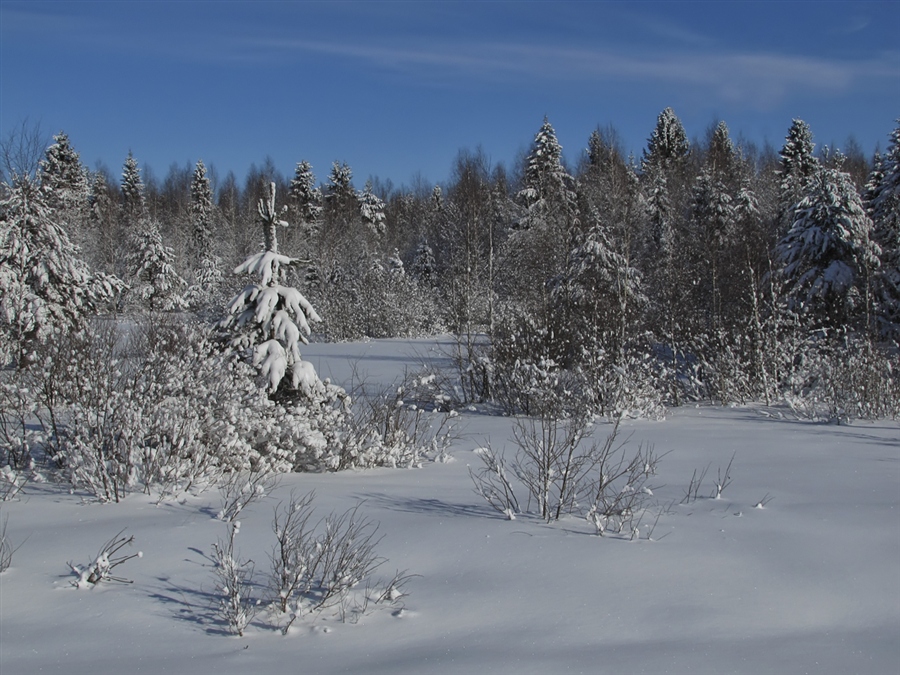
(133, 199)
(371, 208)
(798, 165)
(269, 319)
(547, 185)
(156, 283)
(44, 286)
(63, 177)
(340, 197)
(884, 207)
(668, 146)
(201, 212)
(305, 197)
(828, 254)
(423, 267)
(536, 252)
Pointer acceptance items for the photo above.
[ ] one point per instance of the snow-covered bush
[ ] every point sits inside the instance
(365, 296)
(19, 437)
(564, 471)
(845, 377)
(12, 483)
(389, 428)
(162, 408)
(107, 559)
(240, 489)
(317, 566)
(234, 584)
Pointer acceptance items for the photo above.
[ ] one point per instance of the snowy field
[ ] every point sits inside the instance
(808, 584)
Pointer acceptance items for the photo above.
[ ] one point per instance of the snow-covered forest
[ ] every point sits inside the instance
(200, 345)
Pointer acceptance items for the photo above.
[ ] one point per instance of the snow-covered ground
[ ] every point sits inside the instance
(808, 584)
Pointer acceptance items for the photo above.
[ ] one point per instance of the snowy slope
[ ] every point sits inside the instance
(811, 583)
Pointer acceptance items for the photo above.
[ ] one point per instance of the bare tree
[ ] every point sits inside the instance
(21, 150)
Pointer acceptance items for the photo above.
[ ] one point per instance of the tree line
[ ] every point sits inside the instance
(711, 269)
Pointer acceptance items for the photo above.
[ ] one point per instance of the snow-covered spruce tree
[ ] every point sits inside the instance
(305, 197)
(63, 177)
(341, 203)
(603, 288)
(798, 166)
(44, 286)
(536, 251)
(102, 247)
(884, 207)
(371, 208)
(667, 233)
(208, 277)
(668, 146)
(423, 267)
(156, 284)
(133, 199)
(201, 212)
(270, 319)
(828, 255)
(713, 223)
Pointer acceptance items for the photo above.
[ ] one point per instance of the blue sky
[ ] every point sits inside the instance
(396, 89)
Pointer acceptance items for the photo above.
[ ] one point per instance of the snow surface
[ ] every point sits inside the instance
(808, 584)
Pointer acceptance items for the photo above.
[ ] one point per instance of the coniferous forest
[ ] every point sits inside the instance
(140, 317)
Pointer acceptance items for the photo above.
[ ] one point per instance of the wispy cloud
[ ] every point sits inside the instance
(761, 80)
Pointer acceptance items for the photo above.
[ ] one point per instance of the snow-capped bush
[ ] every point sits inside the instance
(326, 564)
(234, 584)
(564, 471)
(106, 560)
(162, 408)
(19, 439)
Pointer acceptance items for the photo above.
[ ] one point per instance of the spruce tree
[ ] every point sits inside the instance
(714, 221)
(133, 198)
(305, 197)
(201, 212)
(63, 176)
(44, 286)
(371, 208)
(547, 185)
(269, 319)
(798, 166)
(828, 255)
(155, 283)
(668, 146)
(536, 252)
(341, 202)
(423, 267)
(884, 207)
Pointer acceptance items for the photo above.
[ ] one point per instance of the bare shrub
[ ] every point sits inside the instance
(7, 550)
(106, 560)
(564, 471)
(492, 483)
(317, 566)
(240, 489)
